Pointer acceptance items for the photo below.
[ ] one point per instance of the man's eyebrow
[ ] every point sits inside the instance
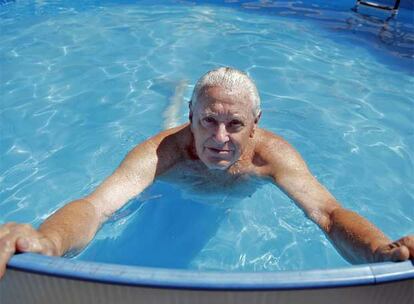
(233, 115)
(239, 116)
(242, 116)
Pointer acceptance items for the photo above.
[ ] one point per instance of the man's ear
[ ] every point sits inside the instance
(256, 121)
(190, 111)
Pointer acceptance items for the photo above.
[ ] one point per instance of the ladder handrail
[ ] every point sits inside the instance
(394, 8)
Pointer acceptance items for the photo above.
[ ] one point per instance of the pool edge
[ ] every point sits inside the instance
(357, 275)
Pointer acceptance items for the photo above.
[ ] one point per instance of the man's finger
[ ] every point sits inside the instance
(7, 249)
(36, 245)
(399, 254)
(392, 252)
(24, 244)
(408, 242)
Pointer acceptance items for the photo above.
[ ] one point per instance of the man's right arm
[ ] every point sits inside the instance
(73, 226)
(357, 239)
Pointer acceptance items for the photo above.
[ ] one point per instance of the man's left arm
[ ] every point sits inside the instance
(357, 239)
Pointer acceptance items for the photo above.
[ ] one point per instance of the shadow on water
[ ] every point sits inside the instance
(6, 1)
(384, 35)
(168, 224)
(390, 39)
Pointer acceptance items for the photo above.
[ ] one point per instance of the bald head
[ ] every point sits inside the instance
(233, 81)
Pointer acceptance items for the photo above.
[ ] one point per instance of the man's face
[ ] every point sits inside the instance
(223, 125)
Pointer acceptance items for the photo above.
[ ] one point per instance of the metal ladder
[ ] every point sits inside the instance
(393, 9)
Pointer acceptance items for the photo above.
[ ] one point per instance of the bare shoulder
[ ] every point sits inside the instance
(178, 137)
(276, 153)
(270, 146)
(163, 149)
(266, 139)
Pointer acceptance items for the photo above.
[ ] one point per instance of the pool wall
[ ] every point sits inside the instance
(33, 278)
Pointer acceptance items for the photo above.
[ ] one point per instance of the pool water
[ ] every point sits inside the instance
(84, 82)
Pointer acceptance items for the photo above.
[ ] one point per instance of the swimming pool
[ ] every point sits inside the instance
(83, 82)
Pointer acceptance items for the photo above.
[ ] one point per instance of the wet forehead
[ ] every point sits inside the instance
(218, 101)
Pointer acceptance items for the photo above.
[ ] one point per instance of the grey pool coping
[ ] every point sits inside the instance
(367, 274)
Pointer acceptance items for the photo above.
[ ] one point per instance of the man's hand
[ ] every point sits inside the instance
(356, 239)
(22, 238)
(400, 250)
(73, 226)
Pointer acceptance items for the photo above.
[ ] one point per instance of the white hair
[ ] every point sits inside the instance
(229, 79)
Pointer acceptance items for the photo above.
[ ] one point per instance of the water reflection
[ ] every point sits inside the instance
(171, 222)
(388, 31)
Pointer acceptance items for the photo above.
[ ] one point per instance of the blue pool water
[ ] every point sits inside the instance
(83, 82)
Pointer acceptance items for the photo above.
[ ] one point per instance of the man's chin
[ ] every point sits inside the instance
(220, 165)
(217, 167)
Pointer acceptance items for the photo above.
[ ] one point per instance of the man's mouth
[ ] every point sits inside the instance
(219, 151)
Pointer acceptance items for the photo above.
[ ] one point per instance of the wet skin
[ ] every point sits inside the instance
(223, 134)
(223, 128)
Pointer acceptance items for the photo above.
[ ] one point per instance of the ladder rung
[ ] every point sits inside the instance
(376, 5)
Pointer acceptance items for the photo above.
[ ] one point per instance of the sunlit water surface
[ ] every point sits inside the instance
(83, 83)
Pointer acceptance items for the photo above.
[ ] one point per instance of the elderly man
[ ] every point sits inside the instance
(222, 134)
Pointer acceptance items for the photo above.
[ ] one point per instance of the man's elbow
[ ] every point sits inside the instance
(325, 217)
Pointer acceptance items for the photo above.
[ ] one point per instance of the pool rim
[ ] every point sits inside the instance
(354, 275)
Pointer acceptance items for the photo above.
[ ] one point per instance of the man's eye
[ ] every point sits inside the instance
(236, 123)
(209, 120)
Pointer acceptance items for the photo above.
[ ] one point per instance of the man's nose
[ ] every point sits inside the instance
(221, 135)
